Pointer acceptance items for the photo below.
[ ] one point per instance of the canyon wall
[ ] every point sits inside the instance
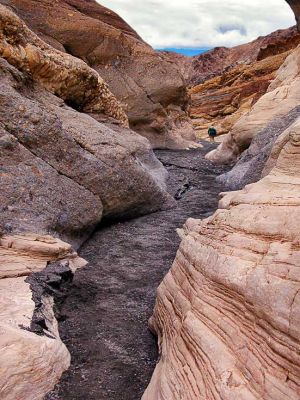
(151, 89)
(221, 59)
(67, 160)
(240, 76)
(32, 356)
(227, 314)
(281, 97)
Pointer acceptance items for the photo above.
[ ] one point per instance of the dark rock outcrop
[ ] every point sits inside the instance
(295, 6)
(149, 86)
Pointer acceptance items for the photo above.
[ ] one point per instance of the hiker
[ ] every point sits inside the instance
(212, 133)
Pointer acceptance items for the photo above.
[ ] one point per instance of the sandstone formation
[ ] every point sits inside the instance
(228, 312)
(150, 87)
(64, 75)
(281, 97)
(221, 59)
(223, 100)
(30, 363)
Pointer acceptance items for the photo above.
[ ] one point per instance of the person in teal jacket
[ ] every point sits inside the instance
(212, 133)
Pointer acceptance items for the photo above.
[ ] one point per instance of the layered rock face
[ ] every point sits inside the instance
(32, 356)
(228, 312)
(150, 87)
(223, 100)
(251, 164)
(281, 97)
(221, 59)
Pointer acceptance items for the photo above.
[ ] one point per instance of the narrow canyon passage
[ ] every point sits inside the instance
(105, 315)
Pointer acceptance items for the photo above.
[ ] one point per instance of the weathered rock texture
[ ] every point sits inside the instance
(30, 363)
(282, 96)
(228, 313)
(77, 169)
(223, 100)
(150, 87)
(66, 76)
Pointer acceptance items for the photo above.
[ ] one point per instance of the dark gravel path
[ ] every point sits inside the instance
(106, 312)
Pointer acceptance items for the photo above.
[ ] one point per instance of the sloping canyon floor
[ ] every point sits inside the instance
(104, 317)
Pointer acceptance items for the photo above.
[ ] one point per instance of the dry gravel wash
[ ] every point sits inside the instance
(104, 318)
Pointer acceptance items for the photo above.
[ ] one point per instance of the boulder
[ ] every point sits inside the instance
(31, 360)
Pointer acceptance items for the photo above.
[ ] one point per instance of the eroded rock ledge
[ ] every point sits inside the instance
(149, 86)
(32, 360)
(228, 312)
(64, 75)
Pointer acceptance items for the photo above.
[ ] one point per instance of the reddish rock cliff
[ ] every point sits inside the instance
(221, 59)
(244, 74)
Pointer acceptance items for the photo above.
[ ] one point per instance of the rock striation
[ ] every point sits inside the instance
(281, 97)
(150, 87)
(250, 166)
(228, 313)
(223, 100)
(219, 60)
(32, 360)
(231, 81)
(67, 77)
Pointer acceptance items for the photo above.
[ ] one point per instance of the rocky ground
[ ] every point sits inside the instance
(104, 318)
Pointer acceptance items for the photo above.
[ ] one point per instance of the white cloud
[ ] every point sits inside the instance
(202, 23)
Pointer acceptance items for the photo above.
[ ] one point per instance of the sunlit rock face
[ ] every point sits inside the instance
(227, 82)
(228, 313)
(223, 100)
(151, 89)
(32, 356)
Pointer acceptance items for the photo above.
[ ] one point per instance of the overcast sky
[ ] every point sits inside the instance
(202, 23)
